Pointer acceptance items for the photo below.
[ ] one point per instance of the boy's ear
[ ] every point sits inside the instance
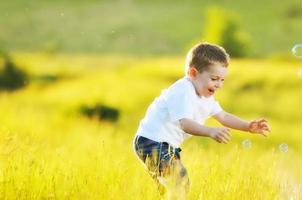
(193, 72)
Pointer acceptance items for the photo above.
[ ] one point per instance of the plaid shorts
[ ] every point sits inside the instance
(158, 157)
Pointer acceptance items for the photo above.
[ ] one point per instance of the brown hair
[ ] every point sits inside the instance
(202, 55)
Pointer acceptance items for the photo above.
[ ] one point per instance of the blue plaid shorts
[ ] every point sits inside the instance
(158, 157)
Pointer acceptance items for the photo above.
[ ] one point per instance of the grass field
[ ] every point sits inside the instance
(48, 150)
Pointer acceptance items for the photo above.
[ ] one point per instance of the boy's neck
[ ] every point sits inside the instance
(192, 81)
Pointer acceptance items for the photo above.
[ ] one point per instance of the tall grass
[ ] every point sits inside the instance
(48, 150)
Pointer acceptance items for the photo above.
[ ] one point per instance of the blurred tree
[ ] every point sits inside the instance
(223, 28)
(11, 77)
(101, 112)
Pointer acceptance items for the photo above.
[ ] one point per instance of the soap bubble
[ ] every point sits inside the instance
(247, 144)
(300, 73)
(162, 180)
(297, 50)
(283, 147)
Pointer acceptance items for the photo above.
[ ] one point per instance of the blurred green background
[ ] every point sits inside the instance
(258, 28)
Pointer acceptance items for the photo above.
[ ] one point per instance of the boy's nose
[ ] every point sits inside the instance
(218, 85)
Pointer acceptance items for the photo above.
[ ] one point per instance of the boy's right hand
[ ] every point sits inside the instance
(220, 134)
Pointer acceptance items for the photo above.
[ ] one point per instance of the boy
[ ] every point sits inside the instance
(180, 111)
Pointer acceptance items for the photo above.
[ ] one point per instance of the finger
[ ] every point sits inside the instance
(224, 137)
(262, 132)
(261, 120)
(264, 123)
(218, 140)
(266, 127)
(226, 131)
(223, 140)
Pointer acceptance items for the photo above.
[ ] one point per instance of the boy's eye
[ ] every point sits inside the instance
(216, 79)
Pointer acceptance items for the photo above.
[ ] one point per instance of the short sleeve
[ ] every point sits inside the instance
(179, 104)
(215, 107)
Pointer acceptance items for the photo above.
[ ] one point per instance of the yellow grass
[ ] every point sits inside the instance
(48, 150)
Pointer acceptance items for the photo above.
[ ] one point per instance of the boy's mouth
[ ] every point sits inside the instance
(211, 91)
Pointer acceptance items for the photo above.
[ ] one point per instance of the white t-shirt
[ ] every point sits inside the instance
(161, 122)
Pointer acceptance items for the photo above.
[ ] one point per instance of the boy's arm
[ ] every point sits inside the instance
(220, 134)
(232, 121)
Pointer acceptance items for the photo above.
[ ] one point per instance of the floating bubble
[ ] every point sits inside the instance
(247, 144)
(162, 180)
(300, 73)
(283, 147)
(62, 14)
(297, 50)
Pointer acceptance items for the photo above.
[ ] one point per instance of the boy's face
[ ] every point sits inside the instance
(209, 81)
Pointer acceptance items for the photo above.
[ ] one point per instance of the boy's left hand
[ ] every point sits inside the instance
(259, 126)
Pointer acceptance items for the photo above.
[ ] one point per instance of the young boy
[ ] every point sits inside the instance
(180, 112)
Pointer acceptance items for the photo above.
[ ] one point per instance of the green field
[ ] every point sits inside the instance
(143, 27)
(48, 150)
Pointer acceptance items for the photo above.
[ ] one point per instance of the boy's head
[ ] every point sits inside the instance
(206, 66)
(203, 55)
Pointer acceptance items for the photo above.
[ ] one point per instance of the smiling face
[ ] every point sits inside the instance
(209, 81)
